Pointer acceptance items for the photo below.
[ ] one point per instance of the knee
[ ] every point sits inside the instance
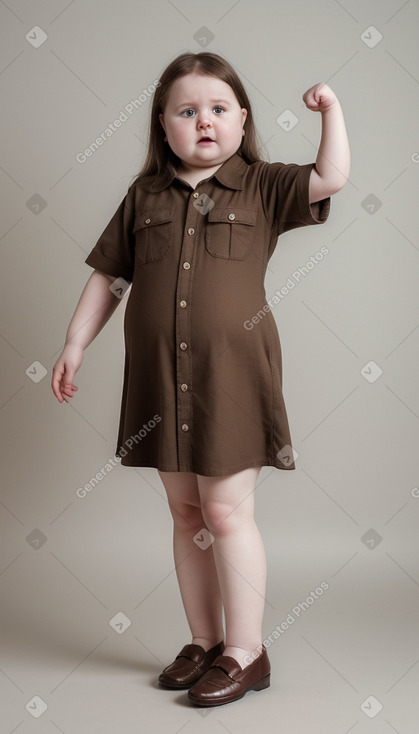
(221, 518)
(186, 517)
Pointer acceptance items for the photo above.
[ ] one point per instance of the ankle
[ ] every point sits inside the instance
(244, 656)
(206, 643)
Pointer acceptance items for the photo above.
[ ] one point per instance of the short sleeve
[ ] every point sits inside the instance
(285, 196)
(114, 252)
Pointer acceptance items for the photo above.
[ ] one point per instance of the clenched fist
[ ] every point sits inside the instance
(320, 97)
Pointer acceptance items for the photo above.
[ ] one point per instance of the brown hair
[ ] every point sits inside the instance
(161, 163)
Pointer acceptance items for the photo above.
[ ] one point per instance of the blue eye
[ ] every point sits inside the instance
(190, 109)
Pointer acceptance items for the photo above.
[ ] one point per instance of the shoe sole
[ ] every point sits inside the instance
(177, 687)
(260, 685)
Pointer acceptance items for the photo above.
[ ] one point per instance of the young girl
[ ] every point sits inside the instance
(202, 397)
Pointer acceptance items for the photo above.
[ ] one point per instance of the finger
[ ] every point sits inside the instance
(66, 393)
(55, 384)
(320, 92)
(310, 98)
(67, 379)
(68, 390)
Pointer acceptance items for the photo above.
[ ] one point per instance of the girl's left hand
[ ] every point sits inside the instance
(319, 98)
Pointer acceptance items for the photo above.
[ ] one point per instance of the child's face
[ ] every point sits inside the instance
(200, 105)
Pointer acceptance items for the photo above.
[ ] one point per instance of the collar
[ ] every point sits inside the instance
(230, 174)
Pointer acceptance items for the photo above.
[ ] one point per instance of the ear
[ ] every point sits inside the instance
(244, 113)
(161, 121)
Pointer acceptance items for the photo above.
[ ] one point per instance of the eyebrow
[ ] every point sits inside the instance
(213, 101)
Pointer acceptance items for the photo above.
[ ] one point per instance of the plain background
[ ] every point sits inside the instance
(348, 516)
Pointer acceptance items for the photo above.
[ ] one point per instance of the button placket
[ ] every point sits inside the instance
(183, 333)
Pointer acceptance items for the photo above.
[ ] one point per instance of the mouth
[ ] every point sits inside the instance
(206, 139)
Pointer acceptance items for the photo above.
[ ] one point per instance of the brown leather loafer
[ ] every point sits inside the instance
(192, 662)
(226, 681)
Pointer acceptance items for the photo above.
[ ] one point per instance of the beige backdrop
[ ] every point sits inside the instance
(90, 604)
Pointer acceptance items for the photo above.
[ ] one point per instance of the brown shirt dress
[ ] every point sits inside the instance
(202, 385)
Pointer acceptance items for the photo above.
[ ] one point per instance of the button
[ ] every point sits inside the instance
(183, 387)
(182, 304)
(195, 195)
(191, 230)
(231, 216)
(185, 427)
(186, 266)
(147, 221)
(183, 346)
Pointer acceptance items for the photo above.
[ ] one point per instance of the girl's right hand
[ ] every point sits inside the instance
(64, 370)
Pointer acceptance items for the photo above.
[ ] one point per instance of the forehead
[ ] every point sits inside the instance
(199, 87)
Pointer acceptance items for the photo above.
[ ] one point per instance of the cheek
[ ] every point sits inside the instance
(180, 134)
(235, 133)
(232, 126)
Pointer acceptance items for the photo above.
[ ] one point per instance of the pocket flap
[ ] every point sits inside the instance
(152, 217)
(233, 215)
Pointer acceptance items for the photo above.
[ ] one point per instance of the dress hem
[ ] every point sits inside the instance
(223, 472)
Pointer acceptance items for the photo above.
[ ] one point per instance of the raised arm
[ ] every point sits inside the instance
(332, 167)
(96, 305)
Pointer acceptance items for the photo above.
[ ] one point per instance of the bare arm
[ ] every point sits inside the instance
(333, 156)
(96, 305)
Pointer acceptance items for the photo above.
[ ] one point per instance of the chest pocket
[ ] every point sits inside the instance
(230, 232)
(153, 231)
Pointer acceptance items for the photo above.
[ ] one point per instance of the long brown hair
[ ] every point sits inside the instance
(161, 163)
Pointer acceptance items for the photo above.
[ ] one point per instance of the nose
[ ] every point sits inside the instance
(203, 120)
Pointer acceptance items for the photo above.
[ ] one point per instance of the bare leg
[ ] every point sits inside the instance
(227, 505)
(195, 568)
